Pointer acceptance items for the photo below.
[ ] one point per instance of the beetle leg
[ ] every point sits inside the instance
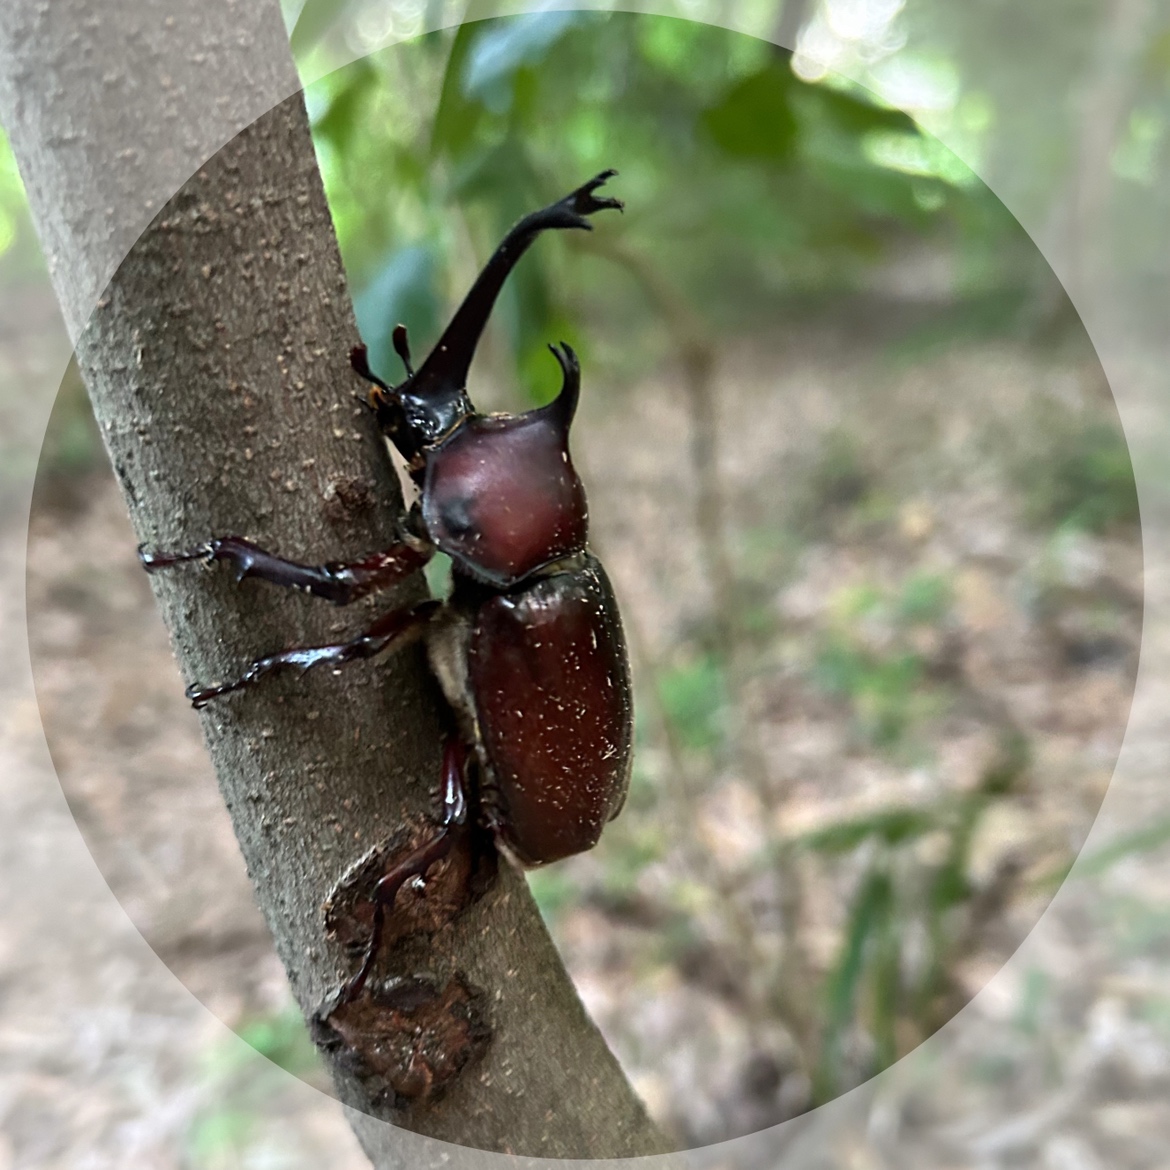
(340, 582)
(416, 863)
(448, 363)
(389, 630)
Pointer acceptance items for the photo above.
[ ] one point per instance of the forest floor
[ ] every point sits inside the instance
(928, 673)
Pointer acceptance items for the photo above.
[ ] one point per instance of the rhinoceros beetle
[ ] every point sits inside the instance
(528, 648)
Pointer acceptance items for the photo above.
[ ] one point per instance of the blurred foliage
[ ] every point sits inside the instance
(694, 698)
(11, 196)
(746, 185)
(870, 655)
(755, 192)
(1150, 837)
(18, 242)
(839, 479)
(26, 325)
(237, 1080)
(908, 919)
(1074, 471)
(73, 444)
(639, 846)
(1137, 925)
(553, 890)
(1112, 136)
(283, 1040)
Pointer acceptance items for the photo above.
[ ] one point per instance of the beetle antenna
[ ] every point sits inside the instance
(402, 348)
(359, 359)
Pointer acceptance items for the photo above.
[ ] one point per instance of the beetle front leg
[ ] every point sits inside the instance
(389, 630)
(340, 582)
(418, 861)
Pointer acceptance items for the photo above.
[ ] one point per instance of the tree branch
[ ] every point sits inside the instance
(216, 361)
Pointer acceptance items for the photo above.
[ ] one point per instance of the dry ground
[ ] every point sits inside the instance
(1063, 1061)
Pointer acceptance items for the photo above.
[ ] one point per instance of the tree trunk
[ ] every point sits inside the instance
(216, 361)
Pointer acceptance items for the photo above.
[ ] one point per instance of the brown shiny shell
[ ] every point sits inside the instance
(551, 680)
(501, 496)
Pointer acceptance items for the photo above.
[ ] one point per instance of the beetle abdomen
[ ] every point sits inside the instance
(551, 680)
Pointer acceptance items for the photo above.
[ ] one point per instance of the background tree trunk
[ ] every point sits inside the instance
(216, 360)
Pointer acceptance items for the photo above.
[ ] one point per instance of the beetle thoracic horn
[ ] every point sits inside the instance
(562, 408)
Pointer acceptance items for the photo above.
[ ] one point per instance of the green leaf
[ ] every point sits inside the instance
(504, 47)
(338, 102)
(315, 20)
(854, 115)
(839, 667)
(1147, 839)
(916, 153)
(1012, 757)
(885, 986)
(284, 1040)
(754, 118)
(1081, 476)
(894, 826)
(1037, 995)
(950, 886)
(217, 1135)
(457, 119)
(872, 906)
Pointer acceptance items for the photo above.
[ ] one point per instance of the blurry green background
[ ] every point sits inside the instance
(768, 202)
(750, 191)
(853, 467)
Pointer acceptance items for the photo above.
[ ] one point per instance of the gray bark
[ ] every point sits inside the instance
(216, 361)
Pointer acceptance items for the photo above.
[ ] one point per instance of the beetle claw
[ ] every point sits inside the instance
(200, 696)
(585, 202)
(153, 561)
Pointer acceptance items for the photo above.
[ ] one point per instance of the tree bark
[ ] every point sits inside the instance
(216, 361)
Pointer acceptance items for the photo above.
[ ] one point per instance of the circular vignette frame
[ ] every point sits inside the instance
(1132, 373)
